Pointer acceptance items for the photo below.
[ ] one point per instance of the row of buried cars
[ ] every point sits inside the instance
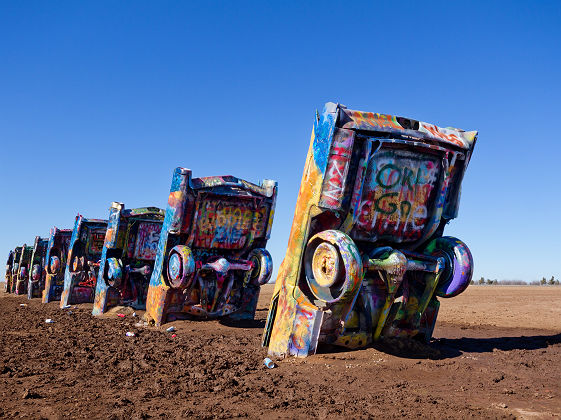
(210, 243)
(366, 258)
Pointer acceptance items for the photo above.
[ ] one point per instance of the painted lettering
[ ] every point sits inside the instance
(397, 192)
(390, 207)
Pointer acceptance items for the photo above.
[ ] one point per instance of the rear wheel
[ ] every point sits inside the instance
(36, 273)
(181, 267)
(54, 264)
(333, 266)
(262, 265)
(459, 265)
(77, 263)
(114, 275)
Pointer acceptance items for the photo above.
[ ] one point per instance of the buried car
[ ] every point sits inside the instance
(22, 271)
(55, 263)
(211, 258)
(36, 281)
(84, 253)
(128, 255)
(366, 257)
(8, 275)
(16, 255)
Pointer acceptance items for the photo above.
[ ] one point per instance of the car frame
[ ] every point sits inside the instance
(84, 253)
(36, 280)
(366, 257)
(16, 255)
(211, 257)
(128, 255)
(8, 274)
(55, 263)
(22, 272)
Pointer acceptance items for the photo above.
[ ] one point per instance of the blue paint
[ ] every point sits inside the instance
(323, 135)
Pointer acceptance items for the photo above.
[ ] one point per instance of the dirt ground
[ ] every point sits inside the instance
(497, 354)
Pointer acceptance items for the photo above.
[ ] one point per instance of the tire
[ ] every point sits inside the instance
(54, 264)
(36, 273)
(114, 272)
(77, 263)
(333, 266)
(23, 273)
(263, 266)
(180, 267)
(459, 265)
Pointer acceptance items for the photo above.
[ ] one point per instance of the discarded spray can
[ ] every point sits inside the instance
(269, 363)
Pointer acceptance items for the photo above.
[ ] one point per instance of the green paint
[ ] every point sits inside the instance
(391, 167)
(392, 206)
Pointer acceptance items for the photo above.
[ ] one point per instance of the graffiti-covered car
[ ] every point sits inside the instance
(55, 263)
(366, 257)
(22, 273)
(211, 257)
(8, 274)
(16, 254)
(128, 255)
(84, 253)
(36, 280)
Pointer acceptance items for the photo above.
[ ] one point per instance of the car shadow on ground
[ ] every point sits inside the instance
(456, 346)
(444, 348)
(242, 323)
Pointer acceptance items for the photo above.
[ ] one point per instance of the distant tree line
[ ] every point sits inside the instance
(542, 282)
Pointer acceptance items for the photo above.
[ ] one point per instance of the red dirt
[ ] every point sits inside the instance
(479, 366)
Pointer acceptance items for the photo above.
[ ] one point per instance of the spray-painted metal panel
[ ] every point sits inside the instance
(84, 253)
(128, 255)
(145, 246)
(211, 257)
(399, 188)
(376, 193)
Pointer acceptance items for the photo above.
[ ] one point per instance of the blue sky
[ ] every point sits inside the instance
(100, 101)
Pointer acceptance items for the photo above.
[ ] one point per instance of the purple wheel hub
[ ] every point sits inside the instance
(459, 265)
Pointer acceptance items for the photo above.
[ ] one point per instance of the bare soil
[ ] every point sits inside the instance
(497, 354)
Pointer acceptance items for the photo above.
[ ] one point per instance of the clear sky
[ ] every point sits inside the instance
(101, 100)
